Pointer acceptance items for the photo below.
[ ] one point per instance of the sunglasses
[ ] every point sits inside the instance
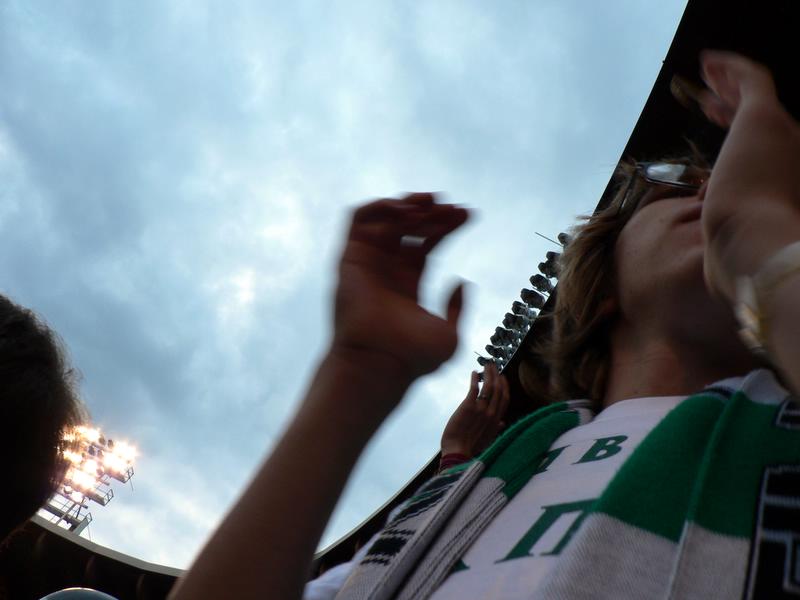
(674, 175)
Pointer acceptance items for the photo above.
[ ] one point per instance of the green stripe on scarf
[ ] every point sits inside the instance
(436, 526)
(746, 440)
(705, 507)
(671, 452)
(520, 460)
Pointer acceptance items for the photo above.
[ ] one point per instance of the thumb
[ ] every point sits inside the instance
(455, 304)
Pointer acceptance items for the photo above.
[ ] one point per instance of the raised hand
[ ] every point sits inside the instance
(377, 315)
(752, 205)
(382, 340)
(479, 418)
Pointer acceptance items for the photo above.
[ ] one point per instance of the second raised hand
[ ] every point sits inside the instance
(479, 418)
(752, 207)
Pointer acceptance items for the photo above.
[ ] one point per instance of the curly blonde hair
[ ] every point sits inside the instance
(572, 360)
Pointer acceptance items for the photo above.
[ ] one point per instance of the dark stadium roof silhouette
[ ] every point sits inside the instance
(41, 559)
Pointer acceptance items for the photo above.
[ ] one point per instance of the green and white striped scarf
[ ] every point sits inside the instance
(707, 506)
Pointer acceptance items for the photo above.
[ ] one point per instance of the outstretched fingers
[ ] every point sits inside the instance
(497, 403)
(413, 225)
(488, 387)
(421, 199)
(472, 394)
(454, 307)
(383, 208)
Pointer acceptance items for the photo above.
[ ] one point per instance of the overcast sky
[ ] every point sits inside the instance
(175, 178)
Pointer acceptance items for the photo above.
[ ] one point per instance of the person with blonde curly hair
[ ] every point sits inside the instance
(665, 460)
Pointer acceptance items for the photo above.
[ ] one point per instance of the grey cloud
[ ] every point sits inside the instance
(174, 180)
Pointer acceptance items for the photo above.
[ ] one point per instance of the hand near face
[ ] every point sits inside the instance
(752, 205)
(377, 317)
(478, 419)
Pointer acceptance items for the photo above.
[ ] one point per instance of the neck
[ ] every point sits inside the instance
(649, 364)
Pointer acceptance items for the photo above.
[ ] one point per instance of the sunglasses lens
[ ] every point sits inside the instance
(676, 174)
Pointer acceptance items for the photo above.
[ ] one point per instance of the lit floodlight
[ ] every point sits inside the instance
(88, 433)
(81, 479)
(93, 461)
(125, 451)
(112, 462)
(74, 457)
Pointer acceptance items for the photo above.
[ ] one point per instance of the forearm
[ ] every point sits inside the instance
(266, 543)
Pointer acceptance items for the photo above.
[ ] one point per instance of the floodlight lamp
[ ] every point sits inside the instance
(125, 451)
(518, 322)
(82, 479)
(541, 283)
(496, 351)
(113, 462)
(74, 457)
(89, 434)
(564, 238)
(522, 309)
(534, 299)
(548, 269)
(506, 337)
(92, 460)
(531, 297)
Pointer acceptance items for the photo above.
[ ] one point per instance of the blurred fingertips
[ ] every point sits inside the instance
(456, 303)
(419, 198)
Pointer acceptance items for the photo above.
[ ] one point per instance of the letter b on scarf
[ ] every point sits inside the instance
(603, 448)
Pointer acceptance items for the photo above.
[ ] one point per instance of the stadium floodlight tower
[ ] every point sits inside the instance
(94, 461)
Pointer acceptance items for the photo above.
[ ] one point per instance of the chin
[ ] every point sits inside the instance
(710, 322)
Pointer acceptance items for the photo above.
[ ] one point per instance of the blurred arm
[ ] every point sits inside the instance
(265, 545)
(382, 341)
